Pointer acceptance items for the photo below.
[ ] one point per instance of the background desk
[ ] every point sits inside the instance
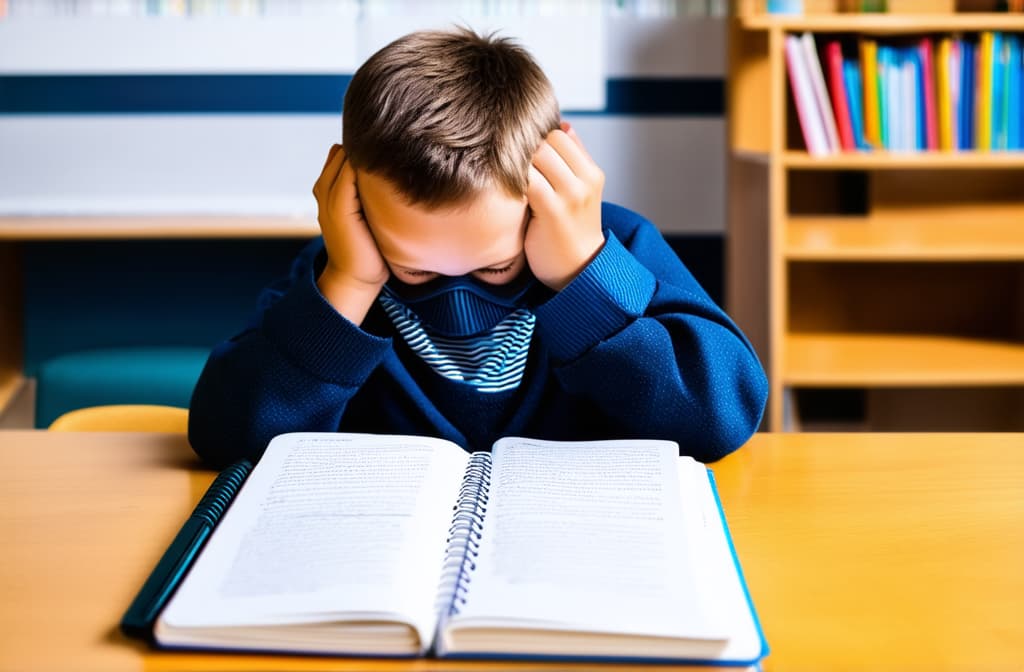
(861, 551)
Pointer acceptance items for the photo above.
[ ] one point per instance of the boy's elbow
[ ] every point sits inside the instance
(733, 418)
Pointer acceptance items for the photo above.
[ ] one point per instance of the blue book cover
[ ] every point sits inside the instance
(795, 7)
(902, 95)
(998, 116)
(1014, 94)
(1019, 110)
(852, 83)
(920, 139)
(884, 103)
(967, 66)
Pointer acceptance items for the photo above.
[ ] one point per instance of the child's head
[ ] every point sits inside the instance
(441, 128)
(445, 115)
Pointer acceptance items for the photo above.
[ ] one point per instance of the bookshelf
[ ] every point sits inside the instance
(891, 281)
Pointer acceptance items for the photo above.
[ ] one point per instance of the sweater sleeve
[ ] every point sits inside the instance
(293, 369)
(637, 336)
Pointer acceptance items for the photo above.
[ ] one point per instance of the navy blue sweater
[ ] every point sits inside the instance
(632, 348)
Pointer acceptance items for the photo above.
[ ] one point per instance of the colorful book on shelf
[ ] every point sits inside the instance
(1005, 52)
(955, 52)
(913, 119)
(944, 84)
(885, 104)
(405, 546)
(793, 7)
(837, 89)
(820, 91)
(968, 94)
(1015, 113)
(983, 94)
(869, 74)
(804, 100)
(853, 84)
(931, 122)
(945, 94)
(999, 91)
(913, 85)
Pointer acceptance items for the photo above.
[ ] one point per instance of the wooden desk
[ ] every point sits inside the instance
(861, 551)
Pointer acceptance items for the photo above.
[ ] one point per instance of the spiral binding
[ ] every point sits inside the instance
(464, 535)
(224, 488)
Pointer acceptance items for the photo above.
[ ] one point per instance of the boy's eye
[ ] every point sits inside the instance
(496, 271)
(419, 274)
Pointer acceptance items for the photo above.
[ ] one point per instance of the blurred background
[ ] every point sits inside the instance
(157, 158)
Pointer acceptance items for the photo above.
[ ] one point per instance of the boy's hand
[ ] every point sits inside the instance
(355, 270)
(564, 195)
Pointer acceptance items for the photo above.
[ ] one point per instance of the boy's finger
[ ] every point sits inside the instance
(331, 170)
(573, 153)
(331, 153)
(540, 195)
(345, 190)
(555, 169)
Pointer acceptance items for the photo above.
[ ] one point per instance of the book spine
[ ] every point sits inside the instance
(1016, 114)
(837, 87)
(967, 94)
(931, 123)
(884, 104)
(983, 93)
(851, 76)
(803, 97)
(464, 536)
(946, 95)
(817, 77)
(1007, 91)
(869, 70)
(998, 93)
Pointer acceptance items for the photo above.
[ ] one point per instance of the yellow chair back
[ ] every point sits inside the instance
(123, 418)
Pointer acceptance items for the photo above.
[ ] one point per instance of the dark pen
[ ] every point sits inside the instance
(141, 616)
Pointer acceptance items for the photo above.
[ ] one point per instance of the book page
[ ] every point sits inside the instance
(721, 581)
(591, 537)
(348, 525)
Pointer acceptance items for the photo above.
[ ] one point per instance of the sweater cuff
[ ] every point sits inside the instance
(316, 337)
(609, 293)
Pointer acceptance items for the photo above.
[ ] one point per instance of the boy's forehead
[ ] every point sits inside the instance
(485, 230)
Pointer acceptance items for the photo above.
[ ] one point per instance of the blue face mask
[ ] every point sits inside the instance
(463, 305)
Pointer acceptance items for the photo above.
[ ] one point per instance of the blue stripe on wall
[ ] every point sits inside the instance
(690, 97)
(176, 94)
(132, 94)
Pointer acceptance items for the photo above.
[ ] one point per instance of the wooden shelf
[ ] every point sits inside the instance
(871, 270)
(157, 227)
(900, 360)
(883, 160)
(903, 239)
(10, 383)
(886, 24)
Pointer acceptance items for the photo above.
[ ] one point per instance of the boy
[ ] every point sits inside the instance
(470, 284)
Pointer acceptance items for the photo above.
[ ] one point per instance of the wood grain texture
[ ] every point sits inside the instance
(886, 551)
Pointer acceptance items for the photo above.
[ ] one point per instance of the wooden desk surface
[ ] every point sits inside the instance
(876, 552)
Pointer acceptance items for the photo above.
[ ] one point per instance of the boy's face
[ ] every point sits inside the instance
(483, 237)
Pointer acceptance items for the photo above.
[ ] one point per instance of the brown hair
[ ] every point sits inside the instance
(443, 115)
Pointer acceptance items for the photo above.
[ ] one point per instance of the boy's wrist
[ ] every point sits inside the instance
(349, 296)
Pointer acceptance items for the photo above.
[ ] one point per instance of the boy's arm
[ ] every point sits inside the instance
(295, 368)
(636, 335)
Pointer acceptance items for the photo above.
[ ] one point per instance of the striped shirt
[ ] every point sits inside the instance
(493, 361)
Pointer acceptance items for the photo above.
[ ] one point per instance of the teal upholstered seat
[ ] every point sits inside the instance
(163, 375)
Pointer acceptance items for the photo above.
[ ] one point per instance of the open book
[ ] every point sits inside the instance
(355, 544)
